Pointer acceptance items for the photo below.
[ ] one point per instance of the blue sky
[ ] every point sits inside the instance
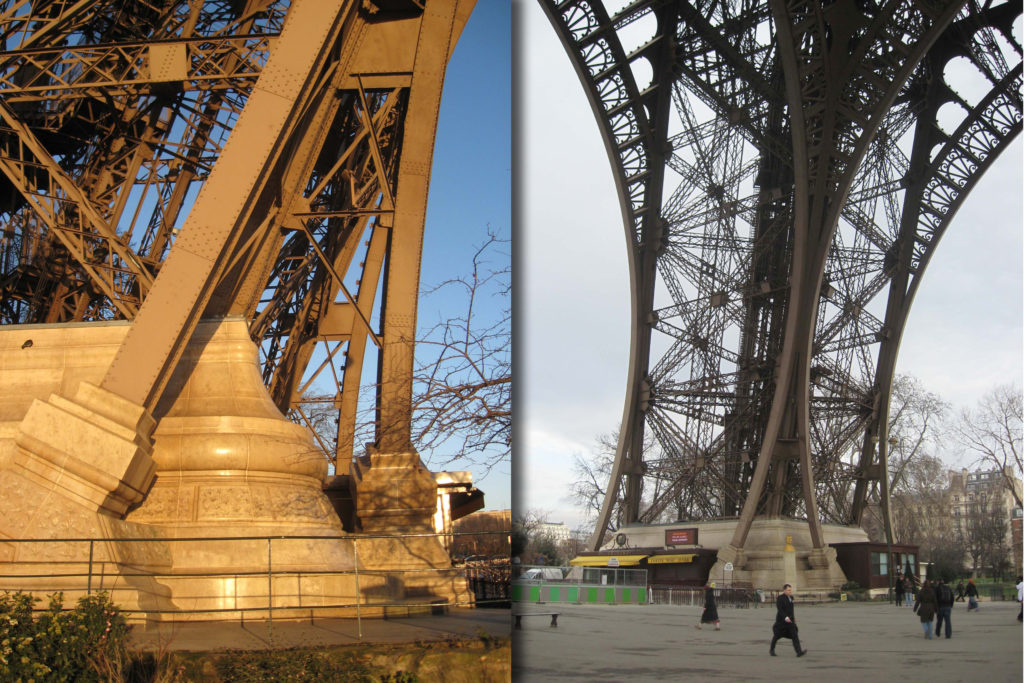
(470, 186)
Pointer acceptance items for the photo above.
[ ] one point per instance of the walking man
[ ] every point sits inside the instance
(944, 598)
(898, 587)
(960, 591)
(972, 595)
(785, 622)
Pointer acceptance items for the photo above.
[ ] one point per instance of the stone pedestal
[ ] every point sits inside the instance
(394, 491)
(779, 551)
(761, 563)
(76, 462)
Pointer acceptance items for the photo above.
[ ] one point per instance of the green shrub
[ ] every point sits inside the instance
(84, 644)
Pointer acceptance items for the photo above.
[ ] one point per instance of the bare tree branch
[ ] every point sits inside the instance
(993, 431)
(462, 399)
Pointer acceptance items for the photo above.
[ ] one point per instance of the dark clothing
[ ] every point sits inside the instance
(899, 590)
(944, 600)
(783, 628)
(944, 596)
(960, 592)
(710, 614)
(925, 605)
(944, 614)
(972, 596)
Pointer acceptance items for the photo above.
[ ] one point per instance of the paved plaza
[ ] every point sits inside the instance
(846, 642)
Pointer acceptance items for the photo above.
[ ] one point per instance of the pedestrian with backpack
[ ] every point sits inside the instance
(944, 598)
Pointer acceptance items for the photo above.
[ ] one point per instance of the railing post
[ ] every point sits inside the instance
(270, 596)
(355, 555)
(88, 586)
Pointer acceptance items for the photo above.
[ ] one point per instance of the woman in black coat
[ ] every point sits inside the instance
(926, 606)
(710, 613)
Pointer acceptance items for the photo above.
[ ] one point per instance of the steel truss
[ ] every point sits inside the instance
(114, 122)
(785, 171)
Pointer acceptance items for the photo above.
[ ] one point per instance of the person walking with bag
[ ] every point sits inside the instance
(785, 622)
(925, 608)
(710, 613)
(972, 595)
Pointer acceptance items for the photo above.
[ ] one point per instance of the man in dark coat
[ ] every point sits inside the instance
(785, 622)
(944, 600)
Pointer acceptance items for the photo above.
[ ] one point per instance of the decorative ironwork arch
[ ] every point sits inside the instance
(811, 176)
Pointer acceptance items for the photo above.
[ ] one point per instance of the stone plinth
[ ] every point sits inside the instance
(222, 462)
(762, 562)
(394, 491)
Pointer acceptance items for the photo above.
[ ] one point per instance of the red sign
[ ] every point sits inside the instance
(680, 537)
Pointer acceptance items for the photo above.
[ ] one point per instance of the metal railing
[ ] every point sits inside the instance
(591, 576)
(123, 566)
(724, 597)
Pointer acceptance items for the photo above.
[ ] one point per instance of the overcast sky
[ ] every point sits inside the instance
(964, 334)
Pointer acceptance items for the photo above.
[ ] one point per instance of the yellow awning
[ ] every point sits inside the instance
(606, 560)
(671, 559)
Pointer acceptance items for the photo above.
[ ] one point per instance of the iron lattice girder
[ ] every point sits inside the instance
(126, 110)
(115, 142)
(857, 81)
(132, 70)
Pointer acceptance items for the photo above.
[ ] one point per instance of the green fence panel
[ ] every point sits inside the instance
(534, 594)
(591, 595)
(574, 595)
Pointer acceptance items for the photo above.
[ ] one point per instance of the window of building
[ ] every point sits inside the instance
(879, 564)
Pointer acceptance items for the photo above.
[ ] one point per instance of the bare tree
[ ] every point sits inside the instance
(984, 534)
(462, 399)
(993, 431)
(462, 382)
(914, 414)
(917, 475)
(592, 476)
(920, 507)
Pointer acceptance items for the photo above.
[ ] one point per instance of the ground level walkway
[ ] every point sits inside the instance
(316, 632)
(846, 642)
